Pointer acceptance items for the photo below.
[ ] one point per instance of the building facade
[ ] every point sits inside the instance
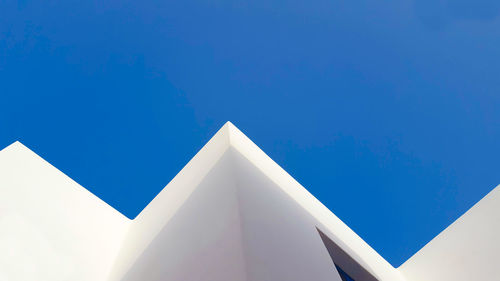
(231, 214)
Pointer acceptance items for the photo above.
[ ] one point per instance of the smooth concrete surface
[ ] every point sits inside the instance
(280, 240)
(469, 249)
(202, 241)
(51, 228)
(230, 214)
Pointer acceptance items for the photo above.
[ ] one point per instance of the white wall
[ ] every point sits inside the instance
(51, 228)
(202, 241)
(236, 225)
(280, 239)
(231, 214)
(469, 249)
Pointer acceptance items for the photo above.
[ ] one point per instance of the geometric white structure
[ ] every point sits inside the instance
(231, 214)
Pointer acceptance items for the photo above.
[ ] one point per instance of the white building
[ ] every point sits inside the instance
(231, 214)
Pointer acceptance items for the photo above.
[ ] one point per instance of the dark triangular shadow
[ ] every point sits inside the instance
(347, 267)
(343, 275)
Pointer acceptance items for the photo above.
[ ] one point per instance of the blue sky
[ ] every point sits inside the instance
(388, 112)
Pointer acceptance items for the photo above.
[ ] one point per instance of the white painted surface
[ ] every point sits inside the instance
(280, 240)
(202, 241)
(165, 205)
(330, 224)
(51, 228)
(469, 249)
(230, 214)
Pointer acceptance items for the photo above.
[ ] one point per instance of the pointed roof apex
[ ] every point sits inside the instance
(165, 205)
(16, 144)
(230, 131)
(237, 138)
(227, 136)
(228, 123)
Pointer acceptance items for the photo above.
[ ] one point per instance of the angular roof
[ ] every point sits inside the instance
(231, 213)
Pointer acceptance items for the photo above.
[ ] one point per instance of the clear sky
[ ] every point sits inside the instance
(387, 111)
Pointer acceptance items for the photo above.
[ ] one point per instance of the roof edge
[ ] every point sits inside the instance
(19, 149)
(331, 224)
(192, 173)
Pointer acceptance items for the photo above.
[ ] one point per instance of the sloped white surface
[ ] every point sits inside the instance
(280, 240)
(469, 249)
(202, 241)
(236, 225)
(51, 228)
(230, 214)
(165, 205)
(157, 215)
(330, 224)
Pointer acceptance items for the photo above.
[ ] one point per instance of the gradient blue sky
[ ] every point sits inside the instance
(388, 112)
